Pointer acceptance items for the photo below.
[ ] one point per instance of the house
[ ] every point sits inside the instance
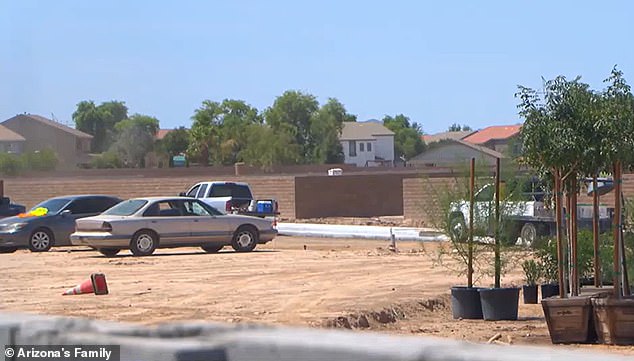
(455, 152)
(433, 138)
(71, 145)
(10, 141)
(501, 138)
(367, 143)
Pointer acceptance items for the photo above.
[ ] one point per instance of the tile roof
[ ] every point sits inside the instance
(54, 124)
(493, 132)
(8, 135)
(363, 130)
(162, 133)
(430, 138)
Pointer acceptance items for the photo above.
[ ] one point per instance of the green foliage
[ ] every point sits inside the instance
(292, 113)
(219, 131)
(100, 121)
(135, 138)
(532, 272)
(10, 164)
(106, 160)
(268, 148)
(455, 127)
(43, 160)
(326, 125)
(407, 137)
(175, 142)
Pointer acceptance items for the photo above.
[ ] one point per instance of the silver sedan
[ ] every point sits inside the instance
(144, 224)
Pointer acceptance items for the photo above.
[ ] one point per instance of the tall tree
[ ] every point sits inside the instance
(267, 148)
(135, 138)
(455, 127)
(291, 113)
(205, 132)
(326, 125)
(236, 116)
(99, 121)
(407, 136)
(175, 142)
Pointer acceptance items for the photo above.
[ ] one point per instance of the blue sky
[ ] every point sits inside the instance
(438, 62)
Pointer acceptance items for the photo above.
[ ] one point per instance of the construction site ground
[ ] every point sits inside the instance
(308, 282)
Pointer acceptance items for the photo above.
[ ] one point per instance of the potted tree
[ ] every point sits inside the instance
(532, 274)
(460, 254)
(499, 303)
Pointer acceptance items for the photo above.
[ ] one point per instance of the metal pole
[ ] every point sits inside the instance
(471, 205)
(595, 233)
(560, 249)
(498, 263)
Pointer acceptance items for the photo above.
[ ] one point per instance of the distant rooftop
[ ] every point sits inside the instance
(495, 132)
(431, 138)
(363, 130)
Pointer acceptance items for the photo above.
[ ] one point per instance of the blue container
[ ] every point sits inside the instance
(264, 207)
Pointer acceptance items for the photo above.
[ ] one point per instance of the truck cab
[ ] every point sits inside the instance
(224, 196)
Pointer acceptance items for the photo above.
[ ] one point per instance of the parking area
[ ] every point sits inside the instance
(290, 281)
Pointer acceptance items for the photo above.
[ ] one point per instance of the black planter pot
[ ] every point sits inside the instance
(500, 303)
(549, 290)
(529, 292)
(465, 303)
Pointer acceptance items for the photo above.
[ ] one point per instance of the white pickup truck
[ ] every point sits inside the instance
(232, 197)
(522, 221)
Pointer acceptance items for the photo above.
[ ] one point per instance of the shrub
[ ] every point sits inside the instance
(106, 160)
(44, 160)
(10, 164)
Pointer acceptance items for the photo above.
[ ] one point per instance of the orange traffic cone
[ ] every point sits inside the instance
(96, 284)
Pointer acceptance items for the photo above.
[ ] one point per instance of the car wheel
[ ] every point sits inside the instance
(109, 252)
(458, 229)
(245, 239)
(8, 250)
(143, 243)
(41, 240)
(212, 248)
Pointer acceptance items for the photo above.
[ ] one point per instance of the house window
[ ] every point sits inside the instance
(369, 147)
(361, 145)
(352, 148)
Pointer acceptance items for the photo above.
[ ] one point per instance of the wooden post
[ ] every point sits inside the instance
(471, 205)
(595, 233)
(560, 249)
(574, 275)
(1, 188)
(617, 229)
(498, 263)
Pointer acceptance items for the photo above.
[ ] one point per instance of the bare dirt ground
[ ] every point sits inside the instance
(332, 283)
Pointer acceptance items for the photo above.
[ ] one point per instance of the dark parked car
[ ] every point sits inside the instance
(8, 209)
(50, 223)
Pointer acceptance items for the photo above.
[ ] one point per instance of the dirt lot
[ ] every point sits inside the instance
(331, 283)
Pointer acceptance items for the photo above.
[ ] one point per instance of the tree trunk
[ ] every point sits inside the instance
(471, 205)
(560, 250)
(595, 233)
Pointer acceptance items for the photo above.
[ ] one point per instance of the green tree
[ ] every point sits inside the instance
(99, 121)
(291, 114)
(408, 140)
(135, 138)
(204, 132)
(175, 142)
(267, 148)
(455, 127)
(235, 117)
(326, 125)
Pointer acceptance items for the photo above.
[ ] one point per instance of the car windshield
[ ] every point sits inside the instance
(126, 208)
(53, 205)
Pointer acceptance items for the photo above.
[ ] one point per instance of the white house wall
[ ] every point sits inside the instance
(362, 157)
(385, 147)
